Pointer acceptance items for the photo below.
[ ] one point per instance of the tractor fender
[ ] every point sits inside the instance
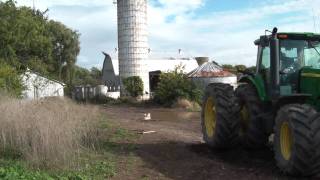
(257, 82)
(291, 99)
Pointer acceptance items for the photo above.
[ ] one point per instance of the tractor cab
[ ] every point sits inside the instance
(288, 66)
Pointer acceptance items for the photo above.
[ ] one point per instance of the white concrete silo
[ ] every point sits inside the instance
(133, 41)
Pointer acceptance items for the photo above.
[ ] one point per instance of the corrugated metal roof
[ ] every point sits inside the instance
(209, 69)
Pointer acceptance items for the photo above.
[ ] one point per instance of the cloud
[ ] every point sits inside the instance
(226, 36)
(176, 7)
(43, 4)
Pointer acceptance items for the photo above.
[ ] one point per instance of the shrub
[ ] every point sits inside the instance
(17, 171)
(175, 85)
(10, 80)
(48, 132)
(134, 86)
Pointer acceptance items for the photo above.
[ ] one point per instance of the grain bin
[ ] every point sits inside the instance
(133, 41)
(211, 72)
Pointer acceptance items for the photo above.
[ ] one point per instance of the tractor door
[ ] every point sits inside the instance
(264, 66)
(291, 61)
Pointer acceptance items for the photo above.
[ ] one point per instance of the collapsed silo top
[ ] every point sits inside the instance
(209, 69)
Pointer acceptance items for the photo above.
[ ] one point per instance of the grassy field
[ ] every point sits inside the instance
(98, 147)
(92, 164)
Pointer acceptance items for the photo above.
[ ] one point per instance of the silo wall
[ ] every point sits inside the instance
(133, 42)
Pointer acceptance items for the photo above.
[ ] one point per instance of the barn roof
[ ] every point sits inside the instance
(28, 71)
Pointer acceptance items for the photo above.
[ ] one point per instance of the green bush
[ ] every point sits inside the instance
(134, 86)
(17, 171)
(10, 80)
(175, 85)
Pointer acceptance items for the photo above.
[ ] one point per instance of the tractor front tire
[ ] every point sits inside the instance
(252, 132)
(297, 140)
(220, 125)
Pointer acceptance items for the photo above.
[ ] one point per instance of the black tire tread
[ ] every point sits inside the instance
(255, 137)
(227, 124)
(305, 156)
(315, 126)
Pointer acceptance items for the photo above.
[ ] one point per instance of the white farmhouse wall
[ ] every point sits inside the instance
(39, 87)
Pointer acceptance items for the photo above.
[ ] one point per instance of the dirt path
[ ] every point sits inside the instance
(176, 150)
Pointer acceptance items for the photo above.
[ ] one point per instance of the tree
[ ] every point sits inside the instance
(29, 39)
(234, 69)
(133, 85)
(83, 76)
(230, 68)
(252, 69)
(240, 67)
(10, 80)
(96, 74)
(227, 66)
(174, 85)
(65, 49)
(23, 35)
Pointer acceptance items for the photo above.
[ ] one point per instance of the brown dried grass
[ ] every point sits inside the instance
(186, 104)
(48, 132)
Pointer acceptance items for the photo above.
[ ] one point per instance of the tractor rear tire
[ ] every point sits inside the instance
(297, 140)
(220, 126)
(315, 125)
(252, 132)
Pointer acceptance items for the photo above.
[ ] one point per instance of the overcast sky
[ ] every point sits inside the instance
(221, 29)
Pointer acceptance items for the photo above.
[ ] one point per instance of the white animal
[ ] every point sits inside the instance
(147, 116)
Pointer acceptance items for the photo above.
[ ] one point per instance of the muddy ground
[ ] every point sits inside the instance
(176, 149)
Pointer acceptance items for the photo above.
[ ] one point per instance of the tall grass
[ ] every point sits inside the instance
(46, 133)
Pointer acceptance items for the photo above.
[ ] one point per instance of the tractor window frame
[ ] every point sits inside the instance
(259, 54)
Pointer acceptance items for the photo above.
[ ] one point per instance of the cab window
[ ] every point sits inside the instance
(265, 59)
(264, 69)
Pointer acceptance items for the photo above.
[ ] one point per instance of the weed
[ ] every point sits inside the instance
(47, 133)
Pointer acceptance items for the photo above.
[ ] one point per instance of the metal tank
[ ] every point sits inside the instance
(211, 72)
(133, 41)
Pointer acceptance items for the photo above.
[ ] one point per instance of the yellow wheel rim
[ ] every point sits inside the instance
(210, 117)
(244, 119)
(285, 140)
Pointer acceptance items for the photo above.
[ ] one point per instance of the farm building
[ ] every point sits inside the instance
(110, 77)
(155, 65)
(38, 86)
(199, 69)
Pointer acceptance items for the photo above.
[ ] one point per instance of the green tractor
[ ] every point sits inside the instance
(278, 103)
